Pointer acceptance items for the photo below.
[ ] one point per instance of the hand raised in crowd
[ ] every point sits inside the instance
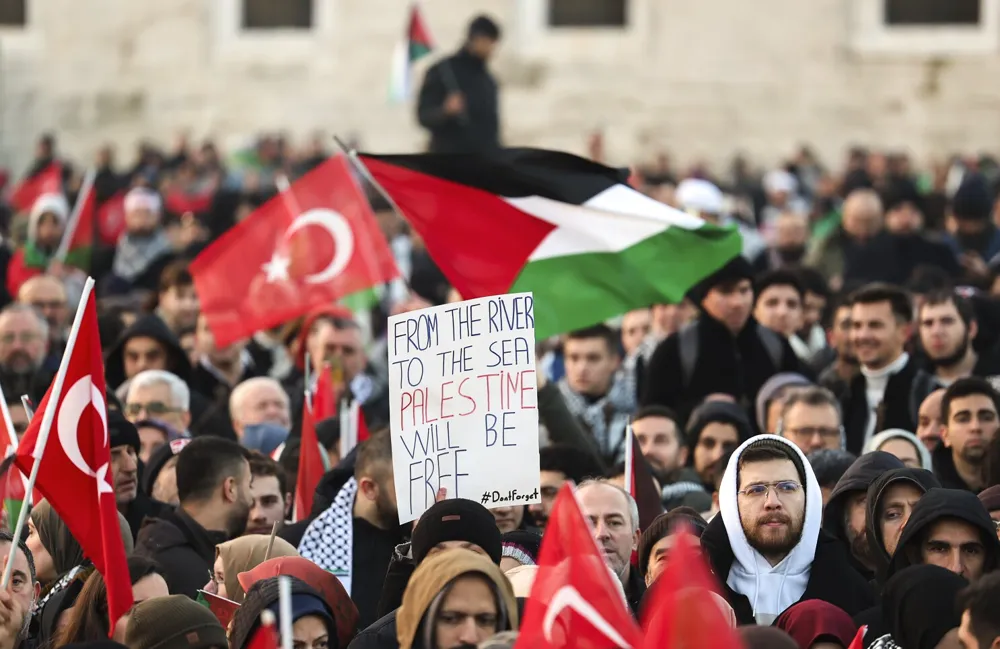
(454, 104)
(442, 494)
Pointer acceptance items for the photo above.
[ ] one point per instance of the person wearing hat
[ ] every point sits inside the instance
(174, 622)
(702, 198)
(46, 223)
(725, 350)
(657, 540)
(313, 622)
(991, 501)
(520, 548)
(715, 428)
(970, 215)
(766, 545)
(458, 103)
(133, 503)
(446, 525)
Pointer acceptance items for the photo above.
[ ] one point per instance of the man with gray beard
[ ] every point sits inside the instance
(24, 343)
(19, 598)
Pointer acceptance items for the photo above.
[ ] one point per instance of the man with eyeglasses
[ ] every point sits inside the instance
(24, 345)
(810, 419)
(47, 295)
(159, 395)
(766, 544)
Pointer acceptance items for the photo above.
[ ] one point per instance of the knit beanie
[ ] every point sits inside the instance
(174, 622)
(718, 412)
(972, 201)
(456, 519)
(736, 269)
(121, 432)
(522, 546)
(664, 525)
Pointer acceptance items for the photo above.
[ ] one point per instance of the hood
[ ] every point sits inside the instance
(149, 326)
(770, 590)
(857, 478)
(771, 389)
(876, 442)
(934, 506)
(431, 580)
(920, 478)
(716, 411)
(328, 311)
(54, 204)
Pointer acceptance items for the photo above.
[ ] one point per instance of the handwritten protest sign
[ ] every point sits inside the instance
(464, 403)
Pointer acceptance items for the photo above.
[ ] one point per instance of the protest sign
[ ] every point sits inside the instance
(464, 403)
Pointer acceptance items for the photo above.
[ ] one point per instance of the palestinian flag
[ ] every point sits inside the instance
(567, 229)
(415, 45)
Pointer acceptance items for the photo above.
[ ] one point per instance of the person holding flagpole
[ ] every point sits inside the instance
(458, 103)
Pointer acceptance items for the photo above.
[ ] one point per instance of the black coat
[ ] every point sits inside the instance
(738, 366)
(183, 548)
(831, 577)
(380, 635)
(893, 258)
(898, 409)
(141, 508)
(945, 470)
(855, 480)
(477, 130)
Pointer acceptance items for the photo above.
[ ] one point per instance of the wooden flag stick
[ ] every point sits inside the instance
(270, 541)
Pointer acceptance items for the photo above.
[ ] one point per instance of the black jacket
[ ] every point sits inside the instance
(738, 366)
(920, 478)
(831, 578)
(183, 548)
(329, 486)
(855, 480)
(380, 635)
(893, 258)
(945, 470)
(477, 130)
(898, 409)
(141, 508)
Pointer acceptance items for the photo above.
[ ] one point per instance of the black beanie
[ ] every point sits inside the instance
(972, 201)
(736, 269)
(664, 525)
(900, 191)
(722, 412)
(121, 432)
(456, 519)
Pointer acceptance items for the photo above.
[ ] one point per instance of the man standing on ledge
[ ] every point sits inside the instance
(458, 102)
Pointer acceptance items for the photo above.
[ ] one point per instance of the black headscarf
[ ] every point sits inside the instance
(920, 478)
(919, 605)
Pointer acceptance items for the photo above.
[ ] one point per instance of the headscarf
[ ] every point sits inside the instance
(774, 386)
(429, 586)
(56, 538)
(919, 605)
(263, 595)
(876, 442)
(345, 613)
(245, 553)
(766, 637)
(814, 620)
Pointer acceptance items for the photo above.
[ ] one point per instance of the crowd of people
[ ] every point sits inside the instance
(821, 412)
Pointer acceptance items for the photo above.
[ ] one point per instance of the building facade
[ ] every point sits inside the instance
(700, 78)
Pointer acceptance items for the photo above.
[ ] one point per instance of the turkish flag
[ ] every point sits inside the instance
(683, 608)
(46, 181)
(574, 602)
(310, 466)
(311, 245)
(75, 472)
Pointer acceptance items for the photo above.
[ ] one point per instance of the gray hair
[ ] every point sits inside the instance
(811, 396)
(180, 394)
(633, 507)
(240, 391)
(18, 307)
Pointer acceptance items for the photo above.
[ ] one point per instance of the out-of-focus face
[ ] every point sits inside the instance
(150, 440)
(730, 304)
(840, 335)
(263, 402)
(904, 219)
(326, 343)
(143, 353)
(468, 614)
(607, 509)
(779, 308)
(508, 518)
(659, 443)
(904, 450)
(812, 428)
(268, 505)
(155, 401)
(877, 336)
(955, 545)
(165, 485)
(590, 365)
(204, 342)
(125, 473)
(790, 231)
(22, 345)
(668, 318)
(943, 334)
(972, 424)
(50, 231)
(48, 297)
(772, 521)
(551, 483)
(862, 214)
(180, 303)
(141, 221)
(929, 420)
(483, 47)
(812, 311)
(896, 506)
(715, 441)
(635, 327)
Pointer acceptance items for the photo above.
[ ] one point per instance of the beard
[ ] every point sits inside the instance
(953, 358)
(238, 519)
(974, 456)
(385, 510)
(771, 544)
(791, 255)
(859, 547)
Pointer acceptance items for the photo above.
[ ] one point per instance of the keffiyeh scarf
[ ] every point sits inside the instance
(329, 540)
(135, 254)
(606, 417)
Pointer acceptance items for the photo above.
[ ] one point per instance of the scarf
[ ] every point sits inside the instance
(329, 540)
(35, 257)
(135, 254)
(607, 418)
(57, 587)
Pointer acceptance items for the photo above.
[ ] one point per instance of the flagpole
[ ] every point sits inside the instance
(28, 408)
(74, 217)
(285, 610)
(46, 426)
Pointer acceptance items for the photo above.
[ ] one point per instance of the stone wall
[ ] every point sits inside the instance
(702, 78)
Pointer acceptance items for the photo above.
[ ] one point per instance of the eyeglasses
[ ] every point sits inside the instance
(153, 408)
(781, 489)
(808, 432)
(24, 337)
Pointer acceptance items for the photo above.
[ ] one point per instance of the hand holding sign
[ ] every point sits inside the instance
(463, 403)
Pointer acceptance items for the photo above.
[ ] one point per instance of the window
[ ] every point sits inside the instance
(13, 13)
(932, 12)
(277, 14)
(587, 13)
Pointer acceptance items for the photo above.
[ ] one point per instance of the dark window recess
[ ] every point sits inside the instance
(277, 14)
(587, 13)
(13, 13)
(932, 12)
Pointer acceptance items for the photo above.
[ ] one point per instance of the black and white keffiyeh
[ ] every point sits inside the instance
(329, 540)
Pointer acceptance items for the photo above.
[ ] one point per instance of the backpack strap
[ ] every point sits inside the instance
(923, 384)
(687, 347)
(772, 345)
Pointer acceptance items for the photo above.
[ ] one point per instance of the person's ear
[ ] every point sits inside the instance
(943, 432)
(635, 540)
(973, 330)
(229, 490)
(682, 456)
(369, 488)
(186, 418)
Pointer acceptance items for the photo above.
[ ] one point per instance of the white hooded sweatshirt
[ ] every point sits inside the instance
(770, 589)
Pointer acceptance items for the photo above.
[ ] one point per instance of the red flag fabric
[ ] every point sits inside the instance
(574, 601)
(363, 433)
(312, 245)
(329, 384)
(109, 217)
(310, 466)
(75, 471)
(47, 181)
(859, 640)
(266, 635)
(683, 609)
